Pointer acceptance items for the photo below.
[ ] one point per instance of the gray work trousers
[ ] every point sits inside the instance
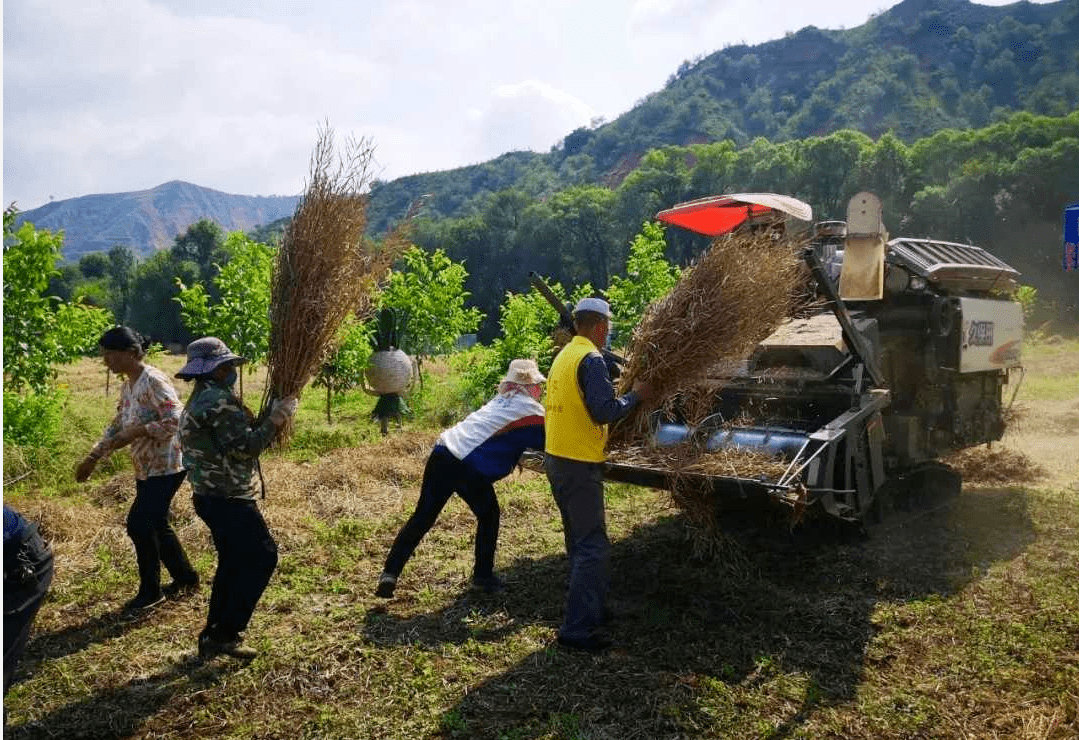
(578, 491)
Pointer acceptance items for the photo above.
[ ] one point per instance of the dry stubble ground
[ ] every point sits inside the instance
(959, 621)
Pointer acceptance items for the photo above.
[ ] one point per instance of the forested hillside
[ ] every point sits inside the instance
(1002, 187)
(918, 68)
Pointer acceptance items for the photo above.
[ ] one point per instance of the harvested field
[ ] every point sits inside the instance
(960, 620)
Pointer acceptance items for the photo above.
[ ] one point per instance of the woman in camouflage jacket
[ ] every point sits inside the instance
(222, 441)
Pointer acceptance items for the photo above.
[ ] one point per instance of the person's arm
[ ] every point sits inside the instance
(603, 405)
(103, 448)
(234, 432)
(160, 406)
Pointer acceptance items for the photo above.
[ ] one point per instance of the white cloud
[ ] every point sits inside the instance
(228, 103)
(526, 115)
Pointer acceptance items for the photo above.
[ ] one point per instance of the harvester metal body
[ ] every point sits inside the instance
(861, 399)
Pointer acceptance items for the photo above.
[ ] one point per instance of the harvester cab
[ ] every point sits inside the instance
(906, 363)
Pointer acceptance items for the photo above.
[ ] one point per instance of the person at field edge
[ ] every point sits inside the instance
(467, 459)
(147, 421)
(581, 402)
(27, 575)
(221, 442)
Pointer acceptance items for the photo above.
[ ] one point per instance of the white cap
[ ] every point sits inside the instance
(596, 305)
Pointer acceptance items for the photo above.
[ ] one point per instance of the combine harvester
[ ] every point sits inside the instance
(906, 364)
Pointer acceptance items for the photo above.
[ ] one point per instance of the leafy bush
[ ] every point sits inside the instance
(429, 296)
(241, 316)
(343, 370)
(39, 330)
(32, 419)
(525, 320)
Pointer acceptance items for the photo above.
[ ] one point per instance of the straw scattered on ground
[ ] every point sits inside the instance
(994, 466)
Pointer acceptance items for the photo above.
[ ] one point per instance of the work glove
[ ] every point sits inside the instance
(282, 410)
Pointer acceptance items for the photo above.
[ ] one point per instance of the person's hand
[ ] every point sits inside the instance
(82, 472)
(643, 389)
(283, 410)
(128, 435)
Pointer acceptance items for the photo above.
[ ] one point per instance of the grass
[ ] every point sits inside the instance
(960, 621)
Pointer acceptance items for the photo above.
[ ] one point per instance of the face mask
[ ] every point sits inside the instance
(230, 379)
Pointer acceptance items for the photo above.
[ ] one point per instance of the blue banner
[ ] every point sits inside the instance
(1071, 237)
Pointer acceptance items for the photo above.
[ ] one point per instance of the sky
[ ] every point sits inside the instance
(107, 96)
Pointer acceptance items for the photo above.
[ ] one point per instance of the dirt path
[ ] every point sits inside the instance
(1047, 431)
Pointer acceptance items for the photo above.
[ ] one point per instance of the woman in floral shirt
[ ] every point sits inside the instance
(147, 421)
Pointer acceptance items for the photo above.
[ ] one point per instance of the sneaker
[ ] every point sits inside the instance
(209, 647)
(142, 602)
(590, 644)
(491, 584)
(178, 589)
(387, 582)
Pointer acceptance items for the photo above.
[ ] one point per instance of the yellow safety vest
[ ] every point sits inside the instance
(571, 433)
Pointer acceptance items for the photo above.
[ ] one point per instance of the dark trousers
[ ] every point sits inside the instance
(27, 574)
(246, 559)
(578, 491)
(155, 540)
(443, 476)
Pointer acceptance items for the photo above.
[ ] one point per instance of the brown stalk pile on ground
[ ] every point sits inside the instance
(994, 466)
(326, 268)
(735, 295)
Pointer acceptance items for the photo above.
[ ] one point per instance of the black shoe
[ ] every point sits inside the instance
(491, 584)
(387, 582)
(209, 647)
(144, 601)
(590, 644)
(178, 589)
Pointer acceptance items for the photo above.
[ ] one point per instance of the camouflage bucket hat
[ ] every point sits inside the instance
(205, 354)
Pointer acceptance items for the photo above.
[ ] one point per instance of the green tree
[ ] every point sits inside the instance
(830, 167)
(154, 311)
(885, 169)
(94, 265)
(202, 244)
(649, 276)
(240, 316)
(121, 272)
(344, 368)
(39, 330)
(583, 219)
(429, 295)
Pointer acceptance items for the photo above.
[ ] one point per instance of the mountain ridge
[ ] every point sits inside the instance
(150, 219)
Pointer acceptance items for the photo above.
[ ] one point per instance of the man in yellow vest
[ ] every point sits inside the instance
(581, 402)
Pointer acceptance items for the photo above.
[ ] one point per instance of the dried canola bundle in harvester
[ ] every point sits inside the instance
(326, 268)
(734, 296)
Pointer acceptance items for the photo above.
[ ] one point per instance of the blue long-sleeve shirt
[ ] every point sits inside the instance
(603, 405)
